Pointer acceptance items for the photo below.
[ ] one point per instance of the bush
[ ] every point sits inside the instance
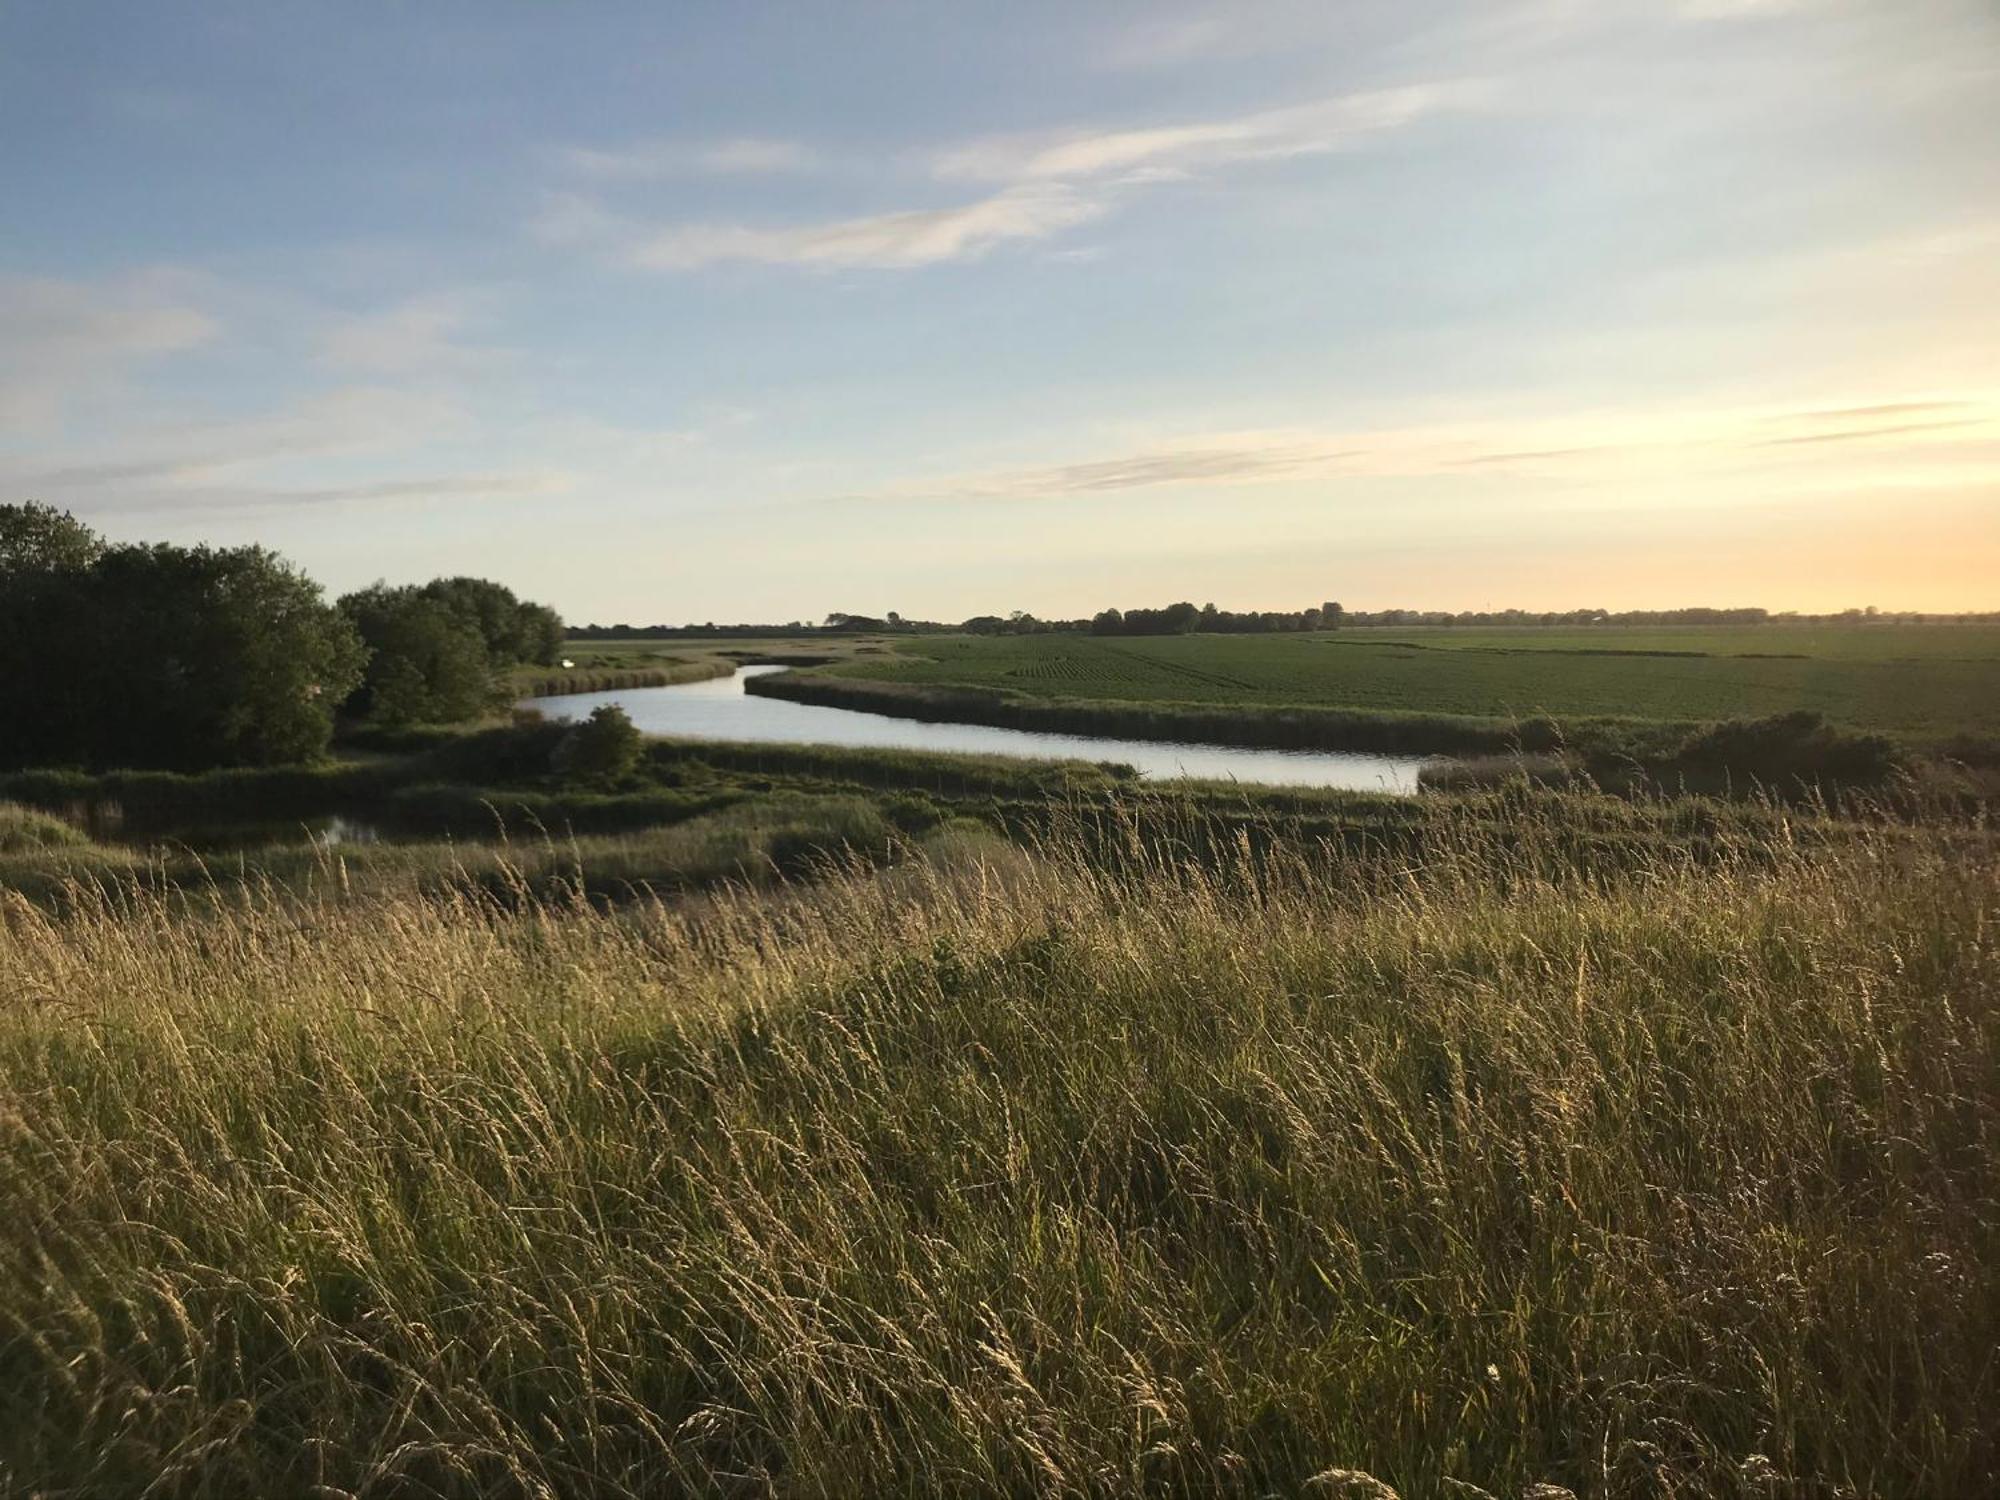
(604, 748)
(1799, 746)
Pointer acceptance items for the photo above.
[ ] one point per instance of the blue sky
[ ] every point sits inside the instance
(699, 311)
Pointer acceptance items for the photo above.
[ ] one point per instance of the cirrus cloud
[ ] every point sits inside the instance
(1322, 126)
(1041, 183)
(59, 337)
(750, 155)
(915, 237)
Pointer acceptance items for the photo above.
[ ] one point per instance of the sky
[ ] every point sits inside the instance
(695, 311)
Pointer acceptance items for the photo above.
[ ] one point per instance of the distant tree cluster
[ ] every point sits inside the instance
(435, 648)
(709, 631)
(192, 657)
(1185, 618)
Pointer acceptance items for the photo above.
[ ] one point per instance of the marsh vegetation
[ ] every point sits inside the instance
(1148, 1156)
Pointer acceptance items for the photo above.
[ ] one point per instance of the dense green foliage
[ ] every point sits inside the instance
(426, 665)
(604, 748)
(440, 652)
(514, 631)
(1918, 682)
(159, 655)
(1101, 1170)
(38, 542)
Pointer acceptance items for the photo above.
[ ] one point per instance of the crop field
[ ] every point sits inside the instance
(1921, 683)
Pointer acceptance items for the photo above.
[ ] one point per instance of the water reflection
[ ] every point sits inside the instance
(719, 709)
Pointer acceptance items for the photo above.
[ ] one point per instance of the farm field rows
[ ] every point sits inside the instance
(1924, 683)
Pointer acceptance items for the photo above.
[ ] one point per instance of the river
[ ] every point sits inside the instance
(719, 709)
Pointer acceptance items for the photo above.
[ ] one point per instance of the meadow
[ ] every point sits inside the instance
(1924, 684)
(798, 1121)
(1128, 1160)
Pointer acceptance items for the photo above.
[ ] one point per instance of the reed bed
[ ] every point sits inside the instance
(551, 682)
(1124, 1165)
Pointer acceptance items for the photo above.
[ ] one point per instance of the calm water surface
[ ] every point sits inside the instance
(719, 709)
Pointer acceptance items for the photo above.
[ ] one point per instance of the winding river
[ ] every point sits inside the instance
(719, 709)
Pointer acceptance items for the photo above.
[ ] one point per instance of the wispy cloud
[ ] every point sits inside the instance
(917, 237)
(418, 335)
(1588, 446)
(1861, 434)
(1325, 125)
(747, 155)
(1839, 414)
(337, 424)
(197, 498)
(1166, 42)
(1248, 458)
(1040, 184)
(1199, 36)
(59, 337)
(489, 486)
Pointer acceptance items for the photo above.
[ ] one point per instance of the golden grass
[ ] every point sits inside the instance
(1268, 1173)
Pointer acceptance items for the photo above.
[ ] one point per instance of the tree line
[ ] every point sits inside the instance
(152, 655)
(1185, 618)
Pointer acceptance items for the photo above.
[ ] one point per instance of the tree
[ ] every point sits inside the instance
(541, 635)
(207, 656)
(40, 541)
(46, 666)
(428, 663)
(512, 629)
(604, 748)
(1331, 615)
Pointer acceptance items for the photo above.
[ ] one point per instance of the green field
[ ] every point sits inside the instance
(1920, 683)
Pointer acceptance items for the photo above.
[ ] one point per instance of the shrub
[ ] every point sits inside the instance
(603, 748)
(1794, 746)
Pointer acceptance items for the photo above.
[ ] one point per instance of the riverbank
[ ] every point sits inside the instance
(1248, 725)
(546, 682)
(1790, 754)
(470, 807)
(733, 710)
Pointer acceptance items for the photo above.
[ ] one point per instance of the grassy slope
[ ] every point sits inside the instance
(1922, 683)
(1019, 1179)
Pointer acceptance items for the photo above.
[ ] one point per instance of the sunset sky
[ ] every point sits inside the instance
(669, 312)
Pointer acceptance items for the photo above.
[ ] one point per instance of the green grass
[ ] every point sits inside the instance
(745, 842)
(601, 671)
(1920, 683)
(26, 830)
(1101, 1170)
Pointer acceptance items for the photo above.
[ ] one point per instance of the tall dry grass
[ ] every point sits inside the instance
(1273, 1172)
